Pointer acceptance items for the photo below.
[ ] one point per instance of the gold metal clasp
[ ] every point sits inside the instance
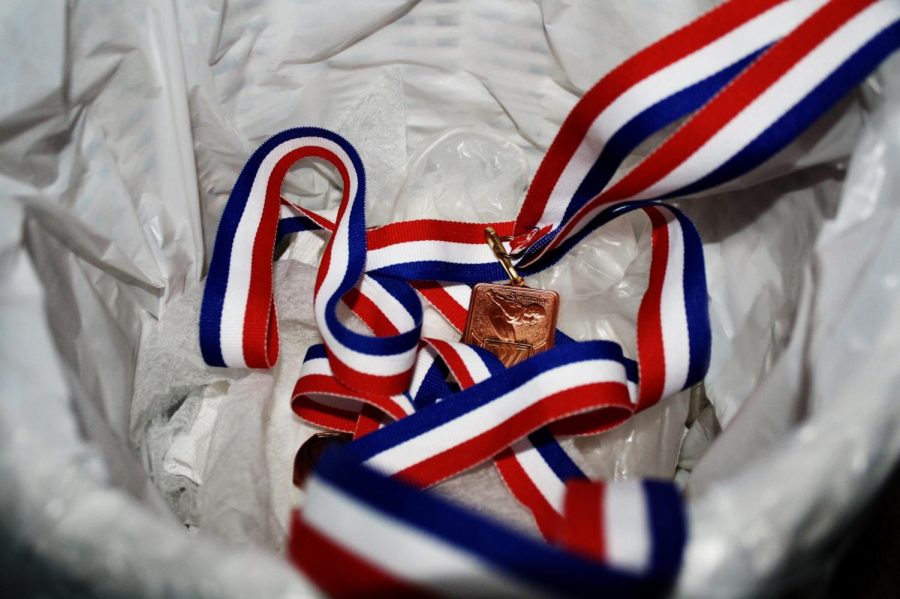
(496, 244)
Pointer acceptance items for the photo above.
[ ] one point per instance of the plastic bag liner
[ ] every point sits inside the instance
(129, 468)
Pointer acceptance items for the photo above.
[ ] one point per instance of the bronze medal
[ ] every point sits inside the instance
(309, 453)
(511, 321)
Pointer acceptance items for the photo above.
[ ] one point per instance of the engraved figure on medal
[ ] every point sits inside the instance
(506, 313)
(512, 321)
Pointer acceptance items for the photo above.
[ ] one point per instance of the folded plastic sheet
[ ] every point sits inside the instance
(123, 127)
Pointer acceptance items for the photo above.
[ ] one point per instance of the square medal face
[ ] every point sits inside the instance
(512, 322)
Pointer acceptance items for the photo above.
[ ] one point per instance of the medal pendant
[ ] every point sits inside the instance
(513, 322)
(312, 449)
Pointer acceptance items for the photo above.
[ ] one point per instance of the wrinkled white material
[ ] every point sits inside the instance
(188, 452)
(122, 130)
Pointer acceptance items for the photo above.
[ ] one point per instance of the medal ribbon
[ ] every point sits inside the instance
(750, 76)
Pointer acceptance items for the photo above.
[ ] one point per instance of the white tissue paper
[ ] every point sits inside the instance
(131, 468)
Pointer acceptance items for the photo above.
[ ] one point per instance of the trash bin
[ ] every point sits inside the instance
(131, 468)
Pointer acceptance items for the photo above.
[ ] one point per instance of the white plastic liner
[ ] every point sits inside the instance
(123, 127)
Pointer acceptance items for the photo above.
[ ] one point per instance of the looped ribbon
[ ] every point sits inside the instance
(749, 77)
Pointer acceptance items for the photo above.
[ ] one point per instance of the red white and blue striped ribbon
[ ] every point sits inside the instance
(750, 76)
(758, 108)
(362, 534)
